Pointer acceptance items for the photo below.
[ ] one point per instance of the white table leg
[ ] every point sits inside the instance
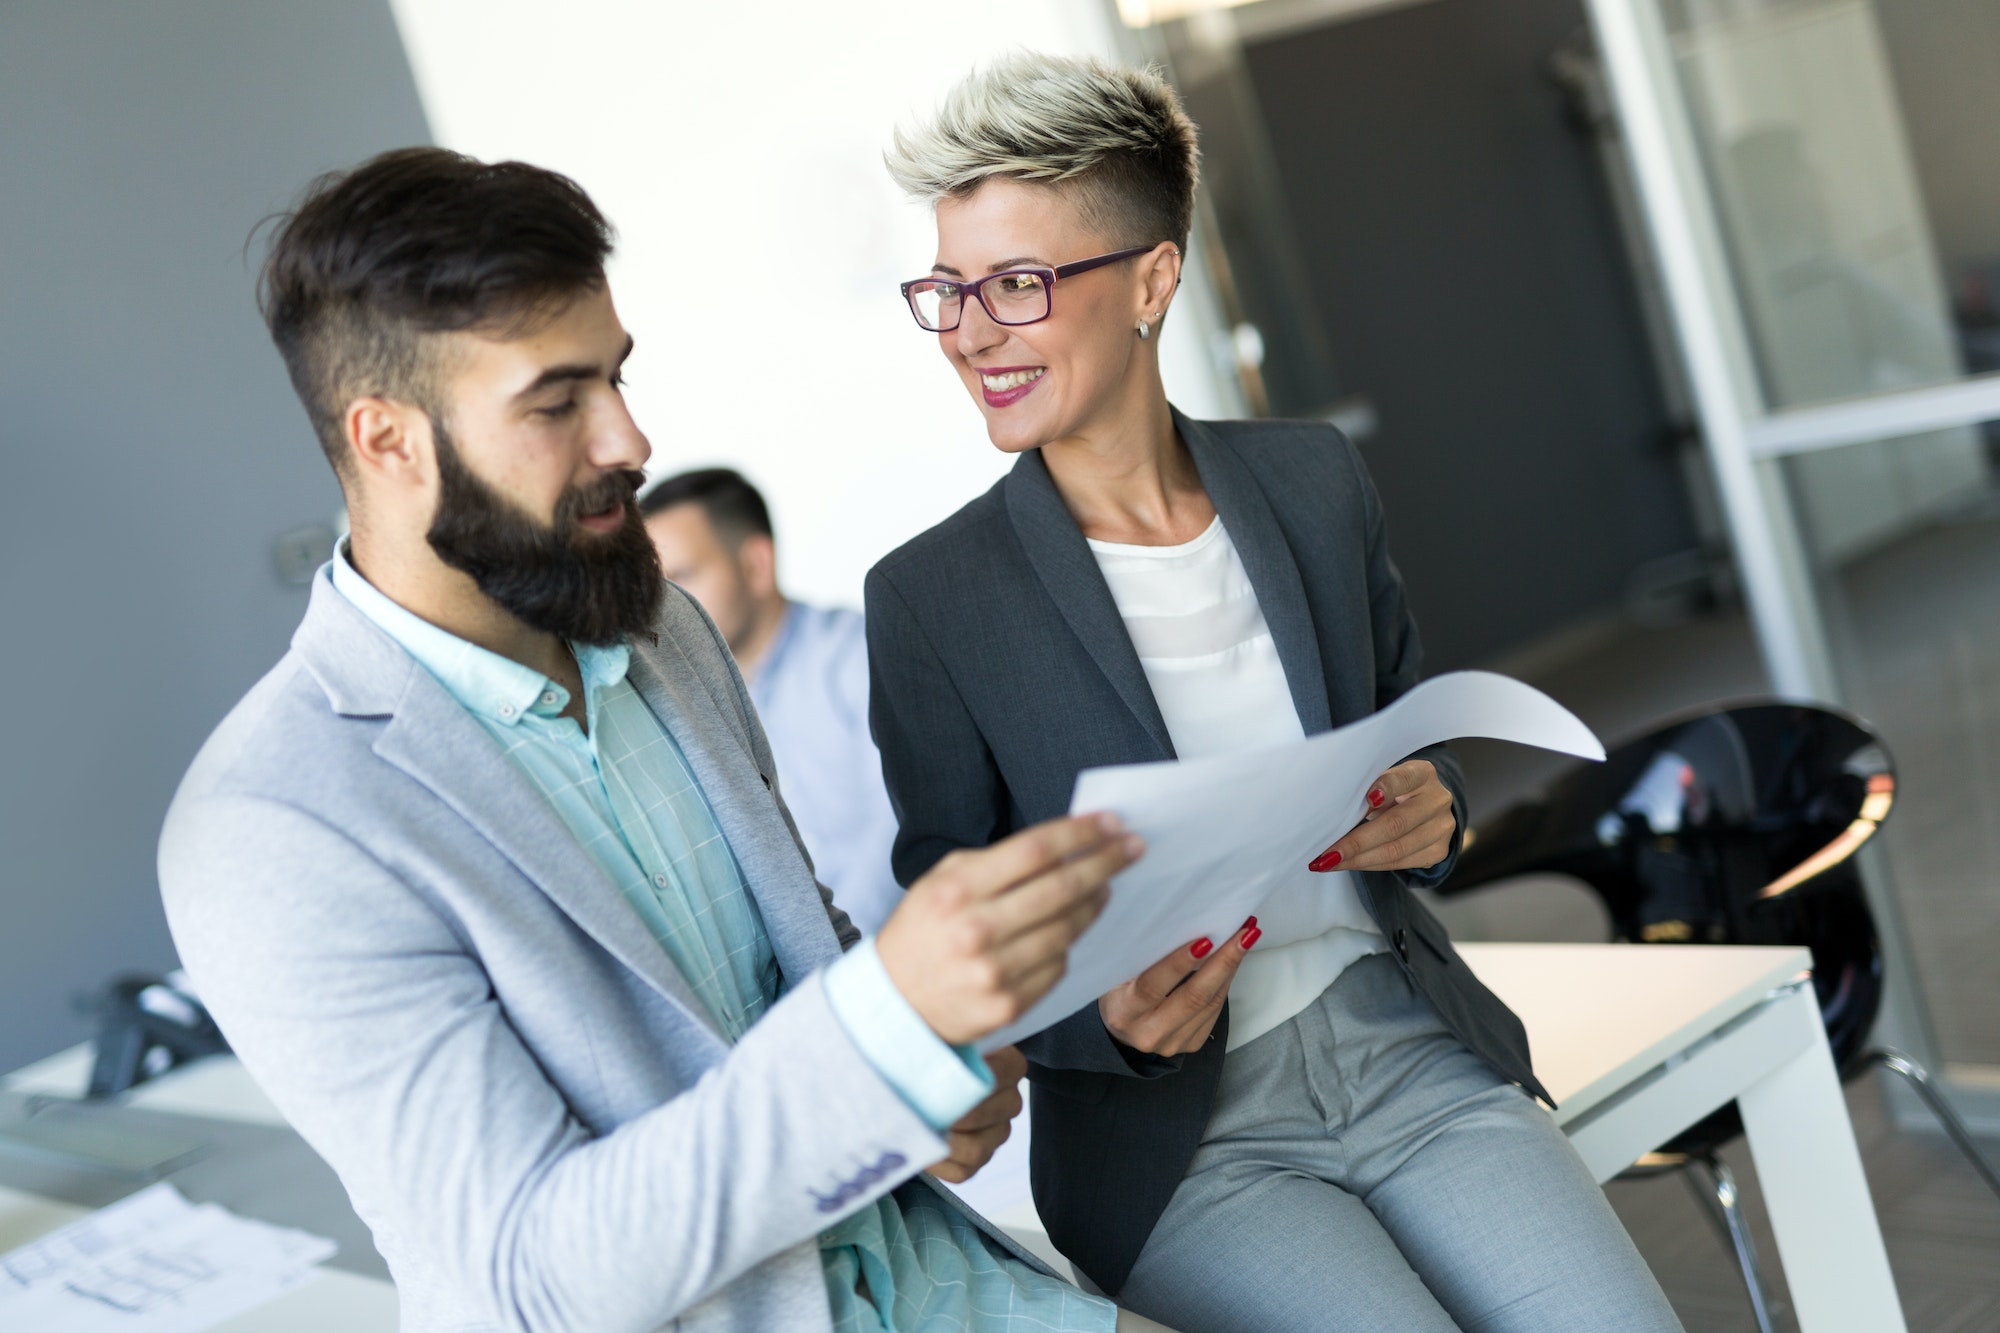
(1803, 1145)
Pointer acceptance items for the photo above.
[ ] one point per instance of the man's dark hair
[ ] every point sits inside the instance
(418, 241)
(733, 505)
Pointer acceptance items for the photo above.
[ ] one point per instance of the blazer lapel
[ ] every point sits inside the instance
(442, 746)
(1069, 572)
(1267, 559)
(431, 738)
(718, 752)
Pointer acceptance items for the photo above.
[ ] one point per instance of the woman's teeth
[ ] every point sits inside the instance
(1013, 379)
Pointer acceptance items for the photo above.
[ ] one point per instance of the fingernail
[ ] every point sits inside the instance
(1201, 947)
(1250, 923)
(1251, 936)
(1135, 846)
(1110, 823)
(1325, 861)
(1375, 798)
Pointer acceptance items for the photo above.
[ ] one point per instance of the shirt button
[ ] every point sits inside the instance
(660, 880)
(506, 710)
(548, 696)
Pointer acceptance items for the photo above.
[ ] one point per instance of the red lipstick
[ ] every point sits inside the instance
(1007, 397)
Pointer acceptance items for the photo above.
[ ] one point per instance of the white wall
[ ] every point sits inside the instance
(737, 148)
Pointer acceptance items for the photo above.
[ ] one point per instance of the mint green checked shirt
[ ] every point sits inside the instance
(626, 792)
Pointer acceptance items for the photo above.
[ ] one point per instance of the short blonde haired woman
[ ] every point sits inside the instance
(1325, 1121)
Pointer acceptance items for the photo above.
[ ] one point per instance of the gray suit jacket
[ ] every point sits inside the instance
(1002, 669)
(444, 994)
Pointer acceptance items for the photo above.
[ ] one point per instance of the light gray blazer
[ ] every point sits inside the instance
(444, 994)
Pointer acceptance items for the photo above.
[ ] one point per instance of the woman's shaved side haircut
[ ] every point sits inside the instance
(416, 242)
(1118, 140)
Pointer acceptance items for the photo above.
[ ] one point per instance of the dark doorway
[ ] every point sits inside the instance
(1459, 253)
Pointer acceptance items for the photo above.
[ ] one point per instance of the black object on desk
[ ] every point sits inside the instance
(147, 1025)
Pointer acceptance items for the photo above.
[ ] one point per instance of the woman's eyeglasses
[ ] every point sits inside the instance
(1011, 296)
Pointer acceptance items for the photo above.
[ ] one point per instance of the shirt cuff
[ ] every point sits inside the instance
(940, 1082)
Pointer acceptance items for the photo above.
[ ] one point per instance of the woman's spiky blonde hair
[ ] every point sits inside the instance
(1117, 139)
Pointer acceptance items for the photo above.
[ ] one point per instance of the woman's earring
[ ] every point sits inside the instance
(1145, 330)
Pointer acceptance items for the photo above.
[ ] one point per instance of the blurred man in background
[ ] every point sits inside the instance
(807, 668)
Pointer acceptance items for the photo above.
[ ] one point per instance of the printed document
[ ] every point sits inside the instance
(152, 1263)
(1224, 832)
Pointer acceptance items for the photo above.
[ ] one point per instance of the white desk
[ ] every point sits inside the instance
(1635, 1042)
(1638, 1042)
(333, 1302)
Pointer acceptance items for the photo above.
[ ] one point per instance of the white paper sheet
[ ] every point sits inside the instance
(1223, 833)
(152, 1263)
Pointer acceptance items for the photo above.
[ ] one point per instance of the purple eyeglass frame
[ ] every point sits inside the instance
(1049, 275)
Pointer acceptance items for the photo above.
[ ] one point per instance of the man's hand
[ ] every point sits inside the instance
(987, 933)
(1171, 1007)
(979, 1133)
(1409, 824)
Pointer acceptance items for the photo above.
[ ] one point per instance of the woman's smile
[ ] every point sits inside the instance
(1003, 386)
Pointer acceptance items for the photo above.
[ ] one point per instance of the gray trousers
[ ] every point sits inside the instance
(1362, 1170)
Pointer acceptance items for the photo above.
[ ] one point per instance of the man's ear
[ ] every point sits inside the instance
(757, 557)
(390, 441)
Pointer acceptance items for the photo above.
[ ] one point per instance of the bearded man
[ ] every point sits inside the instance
(489, 882)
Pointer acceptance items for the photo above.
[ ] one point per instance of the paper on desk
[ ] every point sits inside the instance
(152, 1263)
(1225, 832)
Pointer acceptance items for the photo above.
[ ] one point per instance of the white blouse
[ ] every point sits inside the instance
(1214, 671)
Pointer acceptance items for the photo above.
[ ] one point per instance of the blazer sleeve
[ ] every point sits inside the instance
(370, 1022)
(948, 793)
(1399, 655)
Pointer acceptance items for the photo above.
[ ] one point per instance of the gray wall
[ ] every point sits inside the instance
(150, 447)
(1464, 259)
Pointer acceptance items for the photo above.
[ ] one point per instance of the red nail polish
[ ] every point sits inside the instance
(1375, 798)
(1325, 861)
(1201, 947)
(1251, 936)
(1250, 923)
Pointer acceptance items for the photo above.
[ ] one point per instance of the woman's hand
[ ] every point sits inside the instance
(979, 1133)
(1409, 824)
(1171, 1007)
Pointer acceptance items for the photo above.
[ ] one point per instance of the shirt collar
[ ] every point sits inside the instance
(602, 665)
(483, 681)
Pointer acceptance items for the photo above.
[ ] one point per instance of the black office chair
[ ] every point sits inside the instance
(1733, 824)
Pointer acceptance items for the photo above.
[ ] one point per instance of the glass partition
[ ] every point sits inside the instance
(1820, 191)
(1847, 147)
(1909, 592)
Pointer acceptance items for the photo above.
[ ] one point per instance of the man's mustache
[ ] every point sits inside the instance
(614, 488)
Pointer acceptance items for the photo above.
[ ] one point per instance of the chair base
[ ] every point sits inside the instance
(1919, 1080)
(1714, 1185)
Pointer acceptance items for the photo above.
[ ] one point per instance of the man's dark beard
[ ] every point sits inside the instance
(558, 578)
